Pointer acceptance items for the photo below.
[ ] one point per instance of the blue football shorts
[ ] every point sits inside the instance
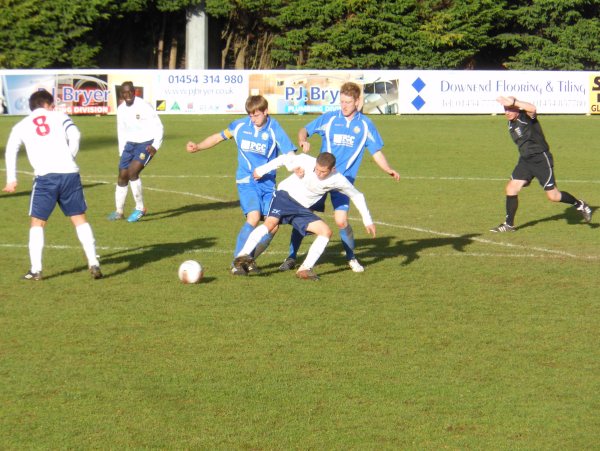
(288, 211)
(135, 151)
(65, 190)
(255, 196)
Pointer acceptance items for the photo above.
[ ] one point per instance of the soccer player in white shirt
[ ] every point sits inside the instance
(140, 135)
(51, 141)
(292, 202)
(347, 134)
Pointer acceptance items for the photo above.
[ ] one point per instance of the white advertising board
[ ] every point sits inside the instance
(304, 92)
(201, 92)
(475, 92)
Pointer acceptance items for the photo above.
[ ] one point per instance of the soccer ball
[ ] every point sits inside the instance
(190, 271)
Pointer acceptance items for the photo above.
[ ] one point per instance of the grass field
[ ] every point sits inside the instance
(453, 337)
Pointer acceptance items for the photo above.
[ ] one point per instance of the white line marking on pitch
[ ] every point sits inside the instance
(271, 252)
(485, 241)
(376, 177)
(148, 188)
(370, 177)
(415, 229)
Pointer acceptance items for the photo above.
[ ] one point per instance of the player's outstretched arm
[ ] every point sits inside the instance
(207, 143)
(512, 101)
(290, 160)
(506, 101)
(381, 161)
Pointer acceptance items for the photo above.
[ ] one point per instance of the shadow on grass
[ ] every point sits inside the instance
(571, 216)
(372, 251)
(140, 256)
(192, 208)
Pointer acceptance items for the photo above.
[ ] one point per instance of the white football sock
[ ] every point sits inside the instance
(136, 190)
(120, 197)
(86, 237)
(315, 251)
(36, 246)
(253, 239)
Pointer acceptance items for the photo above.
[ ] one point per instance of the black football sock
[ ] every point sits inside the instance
(512, 203)
(567, 198)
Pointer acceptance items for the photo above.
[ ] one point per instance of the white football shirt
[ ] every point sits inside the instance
(138, 123)
(309, 189)
(51, 141)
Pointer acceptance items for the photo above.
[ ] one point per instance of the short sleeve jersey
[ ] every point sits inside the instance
(257, 146)
(346, 139)
(527, 134)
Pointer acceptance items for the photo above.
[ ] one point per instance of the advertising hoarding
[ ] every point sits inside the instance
(304, 92)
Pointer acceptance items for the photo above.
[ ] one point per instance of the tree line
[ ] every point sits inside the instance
(304, 34)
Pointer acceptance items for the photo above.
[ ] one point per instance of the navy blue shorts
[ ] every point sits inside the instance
(135, 151)
(288, 211)
(65, 190)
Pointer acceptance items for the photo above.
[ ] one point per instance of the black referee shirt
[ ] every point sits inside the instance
(528, 135)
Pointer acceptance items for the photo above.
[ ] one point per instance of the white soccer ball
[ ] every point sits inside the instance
(190, 271)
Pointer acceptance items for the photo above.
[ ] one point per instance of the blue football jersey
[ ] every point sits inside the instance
(345, 139)
(257, 146)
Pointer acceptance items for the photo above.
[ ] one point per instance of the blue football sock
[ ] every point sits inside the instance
(347, 236)
(262, 245)
(245, 232)
(295, 242)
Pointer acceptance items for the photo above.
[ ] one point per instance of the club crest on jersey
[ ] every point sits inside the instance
(264, 136)
(138, 116)
(142, 156)
(356, 130)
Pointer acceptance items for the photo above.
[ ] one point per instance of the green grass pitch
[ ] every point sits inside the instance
(453, 337)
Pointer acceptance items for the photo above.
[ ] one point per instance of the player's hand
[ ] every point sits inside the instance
(151, 150)
(394, 174)
(506, 101)
(299, 172)
(256, 176)
(10, 187)
(191, 147)
(305, 146)
(371, 230)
